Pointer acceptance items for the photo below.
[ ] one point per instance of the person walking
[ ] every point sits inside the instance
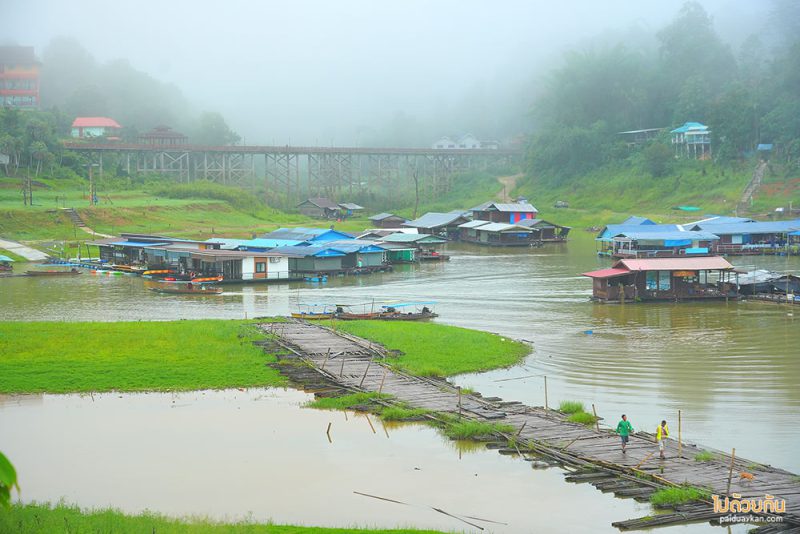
(624, 429)
(662, 433)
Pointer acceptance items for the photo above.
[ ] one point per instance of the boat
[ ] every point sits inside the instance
(313, 314)
(316, 278)
(390, 312)
(187, 289)
(71, 272)
(206, 279)
(394, 312)
(5, 264)
(432, 255)
(157, 272)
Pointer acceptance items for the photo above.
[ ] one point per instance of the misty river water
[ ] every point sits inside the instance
(732, 368)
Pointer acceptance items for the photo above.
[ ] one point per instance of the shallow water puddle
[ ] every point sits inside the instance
(257, 453)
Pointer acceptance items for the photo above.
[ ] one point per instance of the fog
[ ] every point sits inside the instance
(354, 72)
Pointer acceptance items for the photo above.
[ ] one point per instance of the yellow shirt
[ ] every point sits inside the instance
(665, 429)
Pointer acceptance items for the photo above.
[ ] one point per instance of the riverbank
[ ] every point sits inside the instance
(56, 357)
(44, 519)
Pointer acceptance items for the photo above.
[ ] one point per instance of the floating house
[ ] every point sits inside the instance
(633, 244)
(425, 246)
(546, 232)
(665, 279)
(442, 224)
(149, 250)
(387, 220)
(311, 235)
(743, 238)
(496, 234)
(607, 246)
(242, 266)
(335, 257)
(499, 212)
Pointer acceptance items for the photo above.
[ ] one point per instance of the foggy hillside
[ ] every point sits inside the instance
(347, 73)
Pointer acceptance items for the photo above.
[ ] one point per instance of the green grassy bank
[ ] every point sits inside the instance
(132, 356)
(46, 519)
(430, 349)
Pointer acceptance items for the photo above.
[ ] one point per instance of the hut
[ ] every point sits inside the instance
(387, 220)
(163, 136)
(442, 224)
(499, 212)
(348, 209)
(241, 265)
(665, 279)
(545, 231)
(496, 234)
(321, 208)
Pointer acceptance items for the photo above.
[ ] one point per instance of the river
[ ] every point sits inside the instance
(731, 368)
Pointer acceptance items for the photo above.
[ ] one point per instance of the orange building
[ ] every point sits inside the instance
(19, 77)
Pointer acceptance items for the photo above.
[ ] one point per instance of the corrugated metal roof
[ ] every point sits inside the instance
(516, 207)
(635, 219)
(482, 206)
(253, 243)
(607, 273)
(413, 238)
(434, 219)
(306, 234)
(616, 229)
(659, 236)
(771, 227)
(138, 243)
(354, 245)
(350, 206)
(308, 251)
(719, 219)
(687, 126)
(382, 216)
(504, 227)
(473, 224)
(675, 264)
(321, 202)
(95, 122)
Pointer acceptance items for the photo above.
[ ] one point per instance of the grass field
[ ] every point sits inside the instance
(132, 356)
(46, 519)
(430, 349)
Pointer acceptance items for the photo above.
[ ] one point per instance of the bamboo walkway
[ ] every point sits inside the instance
(357, 365)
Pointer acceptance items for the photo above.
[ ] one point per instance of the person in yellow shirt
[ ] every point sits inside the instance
(662, 432)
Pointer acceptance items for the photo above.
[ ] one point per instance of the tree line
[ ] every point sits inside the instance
(746, 98)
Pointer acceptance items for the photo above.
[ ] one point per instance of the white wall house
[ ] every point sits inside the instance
(444, 142)
(263, 265)
(467, 141)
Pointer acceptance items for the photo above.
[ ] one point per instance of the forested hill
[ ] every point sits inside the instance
(746, 96)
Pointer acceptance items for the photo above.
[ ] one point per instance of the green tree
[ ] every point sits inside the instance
(213, 130)
(8, 480)
(658, 159)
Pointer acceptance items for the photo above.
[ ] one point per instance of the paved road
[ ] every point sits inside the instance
(21, 250)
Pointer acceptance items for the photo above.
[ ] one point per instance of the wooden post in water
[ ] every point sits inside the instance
(370, 424)
(680, 444)
(596, 419)
(730, 471)
(328, 432)
(545, 393)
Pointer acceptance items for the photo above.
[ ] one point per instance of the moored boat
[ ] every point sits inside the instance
(71, 272)
(187, 289)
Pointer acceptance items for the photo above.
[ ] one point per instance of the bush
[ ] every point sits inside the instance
(678, 495)
(582, 418)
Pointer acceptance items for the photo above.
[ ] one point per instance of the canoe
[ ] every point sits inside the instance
(52, 273)
(433, 257)
(313, 316)
(206, 279)
(183, 290)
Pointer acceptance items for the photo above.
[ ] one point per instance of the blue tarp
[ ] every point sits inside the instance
(677, 242)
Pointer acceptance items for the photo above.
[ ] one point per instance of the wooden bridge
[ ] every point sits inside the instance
(291, 170)
(593, 455)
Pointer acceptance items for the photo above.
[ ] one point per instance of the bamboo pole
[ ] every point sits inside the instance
(545, 393)
(365, 373)
(730, 471)
(326, 358)
(341, 371)
(380, 389)
(645, 459)
(680, 443)
(521, 428)
(370, 423)
(596, 419)
(459, 400)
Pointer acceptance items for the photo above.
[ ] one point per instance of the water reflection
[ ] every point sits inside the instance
(229, 454)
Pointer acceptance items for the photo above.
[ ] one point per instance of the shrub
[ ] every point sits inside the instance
(571, 407)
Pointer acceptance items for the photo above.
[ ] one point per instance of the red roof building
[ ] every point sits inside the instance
(19, 77)
(88, 127)
(670, 279)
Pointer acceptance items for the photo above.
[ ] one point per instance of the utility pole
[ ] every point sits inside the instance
(92, 185)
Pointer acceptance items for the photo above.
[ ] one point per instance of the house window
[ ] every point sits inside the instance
(664, 280)
(261, 267)
(274, 259)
